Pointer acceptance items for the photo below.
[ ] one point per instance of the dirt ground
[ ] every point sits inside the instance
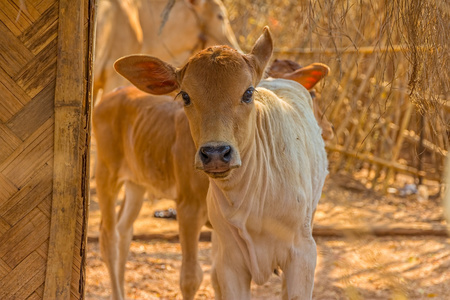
(349, 267)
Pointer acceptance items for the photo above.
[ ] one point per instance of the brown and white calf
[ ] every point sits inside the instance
(144, 142)
(262, 150)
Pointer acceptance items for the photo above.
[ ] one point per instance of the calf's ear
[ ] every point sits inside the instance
(260, 55)
(148, 73)
(310, 75)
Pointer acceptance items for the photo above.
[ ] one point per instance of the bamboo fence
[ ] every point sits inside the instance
(45, 70)
(387, 94)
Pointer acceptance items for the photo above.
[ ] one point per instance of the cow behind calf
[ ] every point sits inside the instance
(262, 150)
(133, 26)
(308, 77)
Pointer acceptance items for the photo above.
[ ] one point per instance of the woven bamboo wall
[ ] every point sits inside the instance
(44, 107)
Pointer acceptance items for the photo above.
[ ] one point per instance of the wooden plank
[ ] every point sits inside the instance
(34, 114)
(69, 97)
(19, 277)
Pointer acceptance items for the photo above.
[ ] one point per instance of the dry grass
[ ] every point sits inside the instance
(384, 56)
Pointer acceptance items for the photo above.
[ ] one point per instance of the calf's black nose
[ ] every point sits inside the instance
(211, 154)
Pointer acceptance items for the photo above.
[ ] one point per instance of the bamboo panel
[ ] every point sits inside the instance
(44, 99)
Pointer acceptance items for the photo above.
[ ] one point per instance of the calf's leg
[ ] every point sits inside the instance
(230, 279)
(214, 253)
(107, 190)
(134, 196)
(191, 215)
(299, 271)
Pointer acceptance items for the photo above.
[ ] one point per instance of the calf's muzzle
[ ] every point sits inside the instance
(216, 159)
(221, 153)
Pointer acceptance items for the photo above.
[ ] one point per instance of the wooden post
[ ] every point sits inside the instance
(70, 147)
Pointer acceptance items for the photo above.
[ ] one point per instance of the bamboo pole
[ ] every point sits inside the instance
(346, 50)
(318, 231)
(345, 84)
(364, 117)
(342, 125)
(376, 160)
(398, 146)
(402, 105)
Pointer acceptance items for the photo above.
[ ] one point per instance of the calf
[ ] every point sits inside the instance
(263, 153)
(144, 142)
(132, 152)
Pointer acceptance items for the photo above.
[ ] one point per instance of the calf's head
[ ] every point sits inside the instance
(217, 86)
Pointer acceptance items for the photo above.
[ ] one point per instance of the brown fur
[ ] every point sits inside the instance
(144, 142)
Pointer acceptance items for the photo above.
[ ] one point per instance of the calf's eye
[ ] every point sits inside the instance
(248, 95)
(186, 98)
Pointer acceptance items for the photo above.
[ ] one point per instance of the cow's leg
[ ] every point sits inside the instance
(229, 280)
(191, 215)
(134, 196)
(214, 280)
(299, 272)
(107, 190)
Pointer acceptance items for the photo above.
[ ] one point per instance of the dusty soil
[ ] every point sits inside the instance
(351, 267)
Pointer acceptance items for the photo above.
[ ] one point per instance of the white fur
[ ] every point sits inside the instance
(263, 215)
